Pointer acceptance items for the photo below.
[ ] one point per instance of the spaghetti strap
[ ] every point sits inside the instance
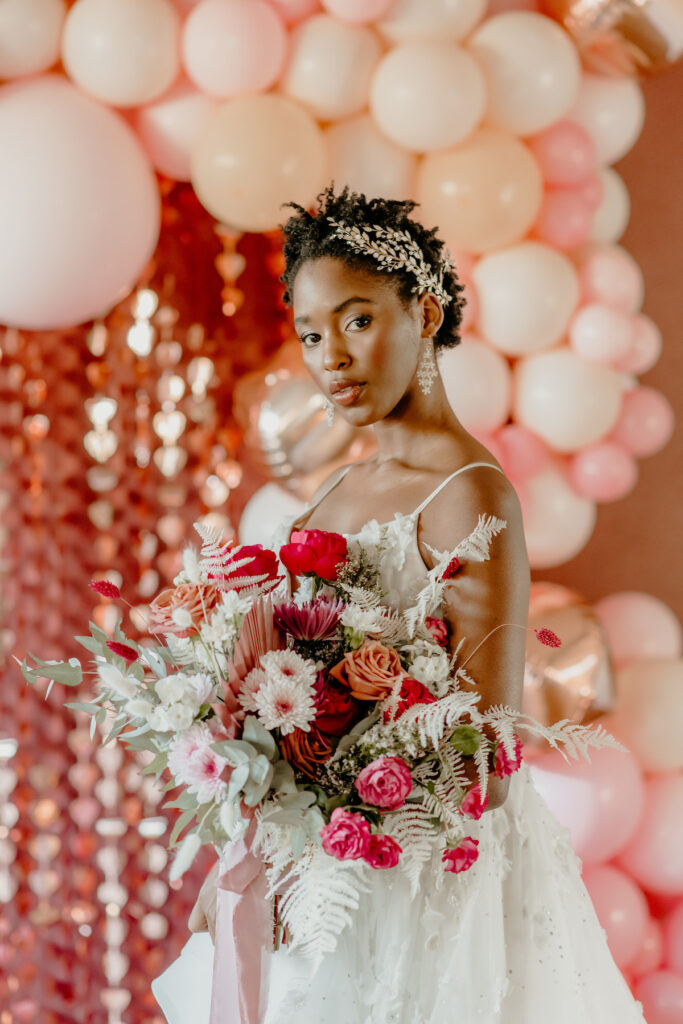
(443, 483)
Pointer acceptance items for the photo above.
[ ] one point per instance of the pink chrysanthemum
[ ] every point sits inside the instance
(249, 687)
(313, 620)
(129, 654)
(547, 637)
(105, 589)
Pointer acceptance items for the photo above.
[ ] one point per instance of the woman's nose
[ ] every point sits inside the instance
(335, 353)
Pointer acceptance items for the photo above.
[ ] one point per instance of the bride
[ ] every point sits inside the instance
(515, 938)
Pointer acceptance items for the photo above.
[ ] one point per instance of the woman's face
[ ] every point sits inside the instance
(360, 343)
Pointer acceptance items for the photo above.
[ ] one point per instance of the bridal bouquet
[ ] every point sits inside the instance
(338, 723)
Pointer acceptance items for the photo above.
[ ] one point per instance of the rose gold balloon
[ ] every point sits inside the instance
(623, 37)
(574, 681)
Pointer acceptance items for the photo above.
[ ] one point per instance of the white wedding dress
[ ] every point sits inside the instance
(513, 940)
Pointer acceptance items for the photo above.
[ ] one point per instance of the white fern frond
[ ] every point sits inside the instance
(570, 738)
(317, 906)
(450, 786)
(433, 721)
(182, 650)
(481, 760)
(415, 833)
(361, 596)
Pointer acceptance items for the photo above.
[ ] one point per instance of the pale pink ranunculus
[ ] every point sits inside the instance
(383, 851)
(461, 857)
(472, 804)
(504, 765)
(194, 599)
(385, 782)
(347, 836)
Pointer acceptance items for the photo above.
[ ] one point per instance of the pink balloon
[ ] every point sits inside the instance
(661, 994)
(609, 274)
(169, 127)
(673, 939)
(232, 47)
(646, 346)
(489, 441)
(565, 153)
(565, 218)
(470, 313)
(600, 333)
(654, 856)
(651, 952)
(294, 10)
(639, 626)
(465, 262)
(524, 453)
(592, 190)
(600, 801)
(621, 909)
(645, 423)
(358, 12)
(603, 471)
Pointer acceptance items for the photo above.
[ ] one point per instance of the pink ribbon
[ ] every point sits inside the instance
(242, 932)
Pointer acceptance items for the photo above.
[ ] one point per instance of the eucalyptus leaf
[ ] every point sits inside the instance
(237, 781)
(90, 709)
(298, 841)
(283, 780)
(235, 752)
(184, 820)
(90, 644)
(257, 734)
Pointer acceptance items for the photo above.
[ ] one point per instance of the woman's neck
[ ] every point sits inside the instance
(419, 429)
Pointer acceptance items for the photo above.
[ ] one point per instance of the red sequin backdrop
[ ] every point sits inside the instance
(114, 438)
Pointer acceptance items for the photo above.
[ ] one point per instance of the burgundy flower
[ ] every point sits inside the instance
(123, 650)
(451, 569)
(547, 637)
(383, 851)
(504, 765)
(314, 553)
(336, 710)
(438, 629)
(313, 620)
(412, 692)
(461, 857)
(105, 589)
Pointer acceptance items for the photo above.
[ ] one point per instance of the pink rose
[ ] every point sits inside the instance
(347, 836)
(461, 857)
(438, 629)
(383, 851)
(504, 765)
(385, 782)
(472, 804)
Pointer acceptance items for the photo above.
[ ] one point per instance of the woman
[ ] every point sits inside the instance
(515, 938)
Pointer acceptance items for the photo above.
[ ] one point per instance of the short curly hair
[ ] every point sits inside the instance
(309, 236)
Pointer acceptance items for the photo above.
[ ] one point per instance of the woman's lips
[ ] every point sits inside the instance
(348, 395)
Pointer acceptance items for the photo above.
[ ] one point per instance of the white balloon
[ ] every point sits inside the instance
(264, 512)
(557, 522)
(427, 95)
(532, 70)
(566, 400)
(431, 19)
(527, 293)
(123, 52)
(30, 35)
(330, 66)
(611, 217)
(365, 160)
(612, 110)
(639, 625)
(170, 126)
(478, 384)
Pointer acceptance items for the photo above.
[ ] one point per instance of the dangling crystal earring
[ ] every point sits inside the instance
(329, 411)
(426, 370)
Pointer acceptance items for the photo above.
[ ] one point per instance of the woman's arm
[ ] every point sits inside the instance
(483, 595)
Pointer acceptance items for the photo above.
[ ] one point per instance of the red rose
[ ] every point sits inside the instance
(383, 851)
(314, 553)
(472, 804)
(412, 692)
(385, 782)
(438, 629)
(461, 857)
(336, 708)
(347, 836)
(504, 765)
(262, 562)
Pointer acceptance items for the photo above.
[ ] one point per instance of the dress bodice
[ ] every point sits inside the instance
(392, 544)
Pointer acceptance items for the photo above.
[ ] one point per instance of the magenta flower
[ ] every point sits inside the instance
(346, 836)
(385, 782)
(547, 637)
(105, 589)
(472, 804)
(504, 765)
(383, 851)
(313, 620)
(461, 857)
(129, 654)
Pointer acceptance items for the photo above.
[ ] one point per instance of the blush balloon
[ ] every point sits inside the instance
(645, 423)
(621, 909)
(610, 275)
(603, 471)
(293, 11)
(612, 111)
(565, 152)
(661, 994)
(31, 34)
(470, 312)
(654, 855)
(357, 12)
(639, 625)
(558, 522)
(601, 334)
(170, 126)
(477, 382)
(651, 953)
(565, 218)
(524, 453)
(612, 214)
(646, 346)
(591, 190)
(673, 939)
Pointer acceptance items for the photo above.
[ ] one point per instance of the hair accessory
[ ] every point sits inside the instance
(395, 249)
(426, 370)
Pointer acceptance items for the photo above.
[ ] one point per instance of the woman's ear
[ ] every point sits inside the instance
(432, 315)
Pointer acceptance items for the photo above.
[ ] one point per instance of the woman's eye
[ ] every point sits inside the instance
(309, 339)
(363, 320)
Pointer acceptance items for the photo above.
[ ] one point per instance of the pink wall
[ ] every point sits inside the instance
(637, 542)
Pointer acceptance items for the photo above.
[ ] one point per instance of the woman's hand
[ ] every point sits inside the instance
(203, 916)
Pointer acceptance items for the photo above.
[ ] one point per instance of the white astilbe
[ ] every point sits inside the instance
(474, 548)
(413, 830)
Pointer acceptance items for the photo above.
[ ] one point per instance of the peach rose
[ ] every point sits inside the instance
(192, 598)
(369, 672)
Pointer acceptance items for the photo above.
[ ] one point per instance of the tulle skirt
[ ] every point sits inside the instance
(513, 939)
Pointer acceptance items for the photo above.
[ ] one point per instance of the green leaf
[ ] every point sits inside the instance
(260, 737)
(152, 658)
(90, 644)
(156, 765)
(69, 673)
(115, 731)
(465, 739)
(283, 780)
(98, 634)
(238, 779)
(181, 823)
(235, 752)
(101, 715)
(90, 709)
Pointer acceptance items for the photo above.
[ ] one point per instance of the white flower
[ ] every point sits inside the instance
(175, 718)
(171, 688)
(289, 666)
(116, 681)
(360, 620)
(431, 669)
(249, 687)
(199, 689)
(183, 747)
(286, 703)
(233, 603)
(139, 708)
(232, 822)
(181, 617)
(194, 764)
